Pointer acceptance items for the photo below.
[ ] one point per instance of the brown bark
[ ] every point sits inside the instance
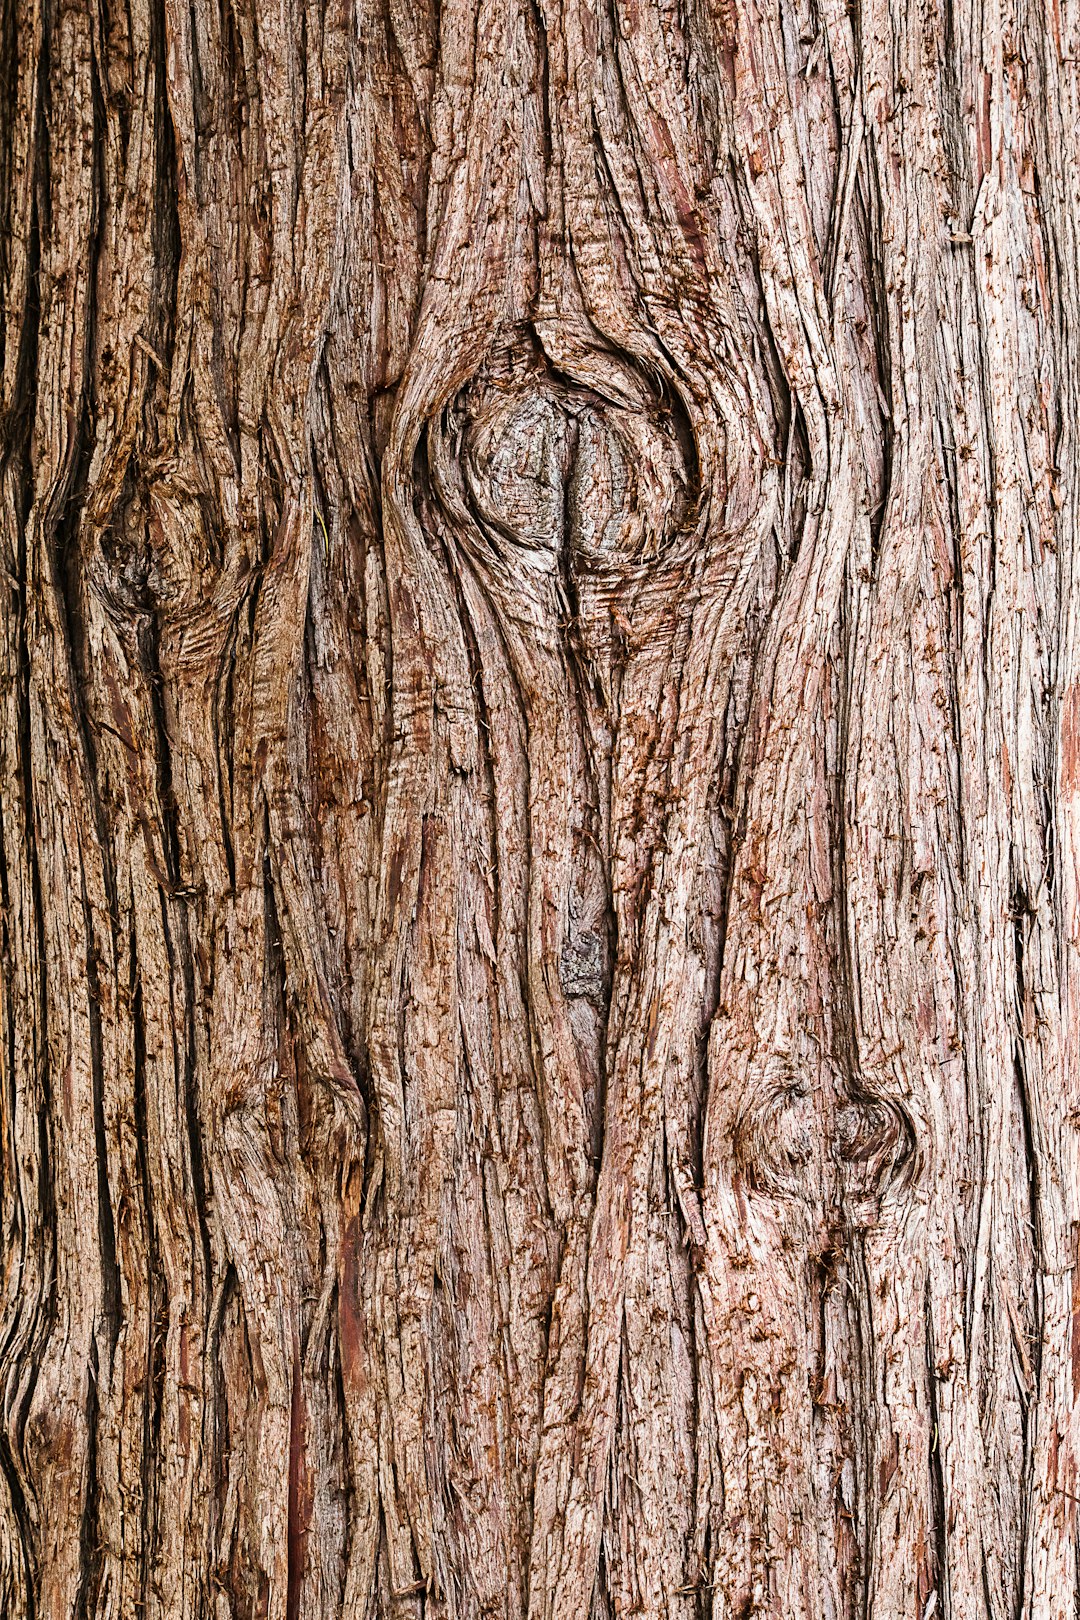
(540, 809)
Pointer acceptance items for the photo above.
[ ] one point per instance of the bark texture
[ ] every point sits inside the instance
(539, 809)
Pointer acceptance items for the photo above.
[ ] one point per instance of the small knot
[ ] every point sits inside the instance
(877, 1147)
(581, 966)
(775, 1139)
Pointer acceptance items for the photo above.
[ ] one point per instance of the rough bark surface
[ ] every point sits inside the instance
(539, 809)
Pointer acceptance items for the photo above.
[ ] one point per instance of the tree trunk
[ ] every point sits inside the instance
(540, 809)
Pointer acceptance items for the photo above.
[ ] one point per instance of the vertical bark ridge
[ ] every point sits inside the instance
(1049, 99)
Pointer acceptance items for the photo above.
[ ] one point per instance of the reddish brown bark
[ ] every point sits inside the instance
(539, 814)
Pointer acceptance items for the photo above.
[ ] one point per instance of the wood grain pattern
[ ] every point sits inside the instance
(539, 809)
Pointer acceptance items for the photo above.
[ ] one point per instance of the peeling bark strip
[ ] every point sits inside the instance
(540, 809)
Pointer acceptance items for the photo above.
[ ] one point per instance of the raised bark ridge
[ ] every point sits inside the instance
(539, 826)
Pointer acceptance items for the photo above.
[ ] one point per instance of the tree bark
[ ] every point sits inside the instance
(540, 809)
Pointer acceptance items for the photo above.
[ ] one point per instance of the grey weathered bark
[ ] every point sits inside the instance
(540, 809)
